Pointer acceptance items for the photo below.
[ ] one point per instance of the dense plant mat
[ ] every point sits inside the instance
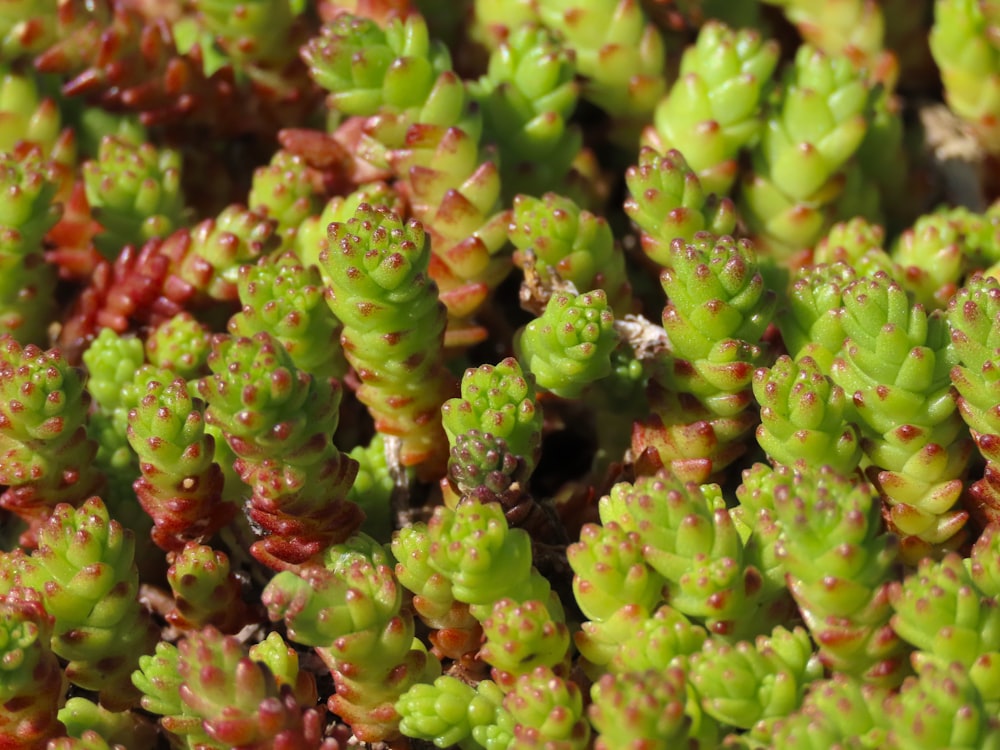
(499, 374)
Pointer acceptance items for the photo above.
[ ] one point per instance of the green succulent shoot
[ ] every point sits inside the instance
(746, 683)
(576, 244)
(47, 455)
(355, 60)
(972, 318)
(804, 416)
(455, 632)
(286, 190)
(943, 613)
(857, 242)
(668, 202)
(520, 636)
(135, 192)
(93, 726)
(32, 683)
(286, 299)
(817, 125)
(652, 642)
(393, 327)
(494, 22)
(85, 571)
(279, 422)
(205, 590)
(113, 363)
(895, 365)
(181, 345)
(700, 396)
(547, 710)
(812, 324)
(29, 116)
(619, 52)
(641, 709)
(181, 483)
(527, 96)
(485, 560)
(838, 710)
(716, 293)
(569, 346)
(932, 258)
(962, 43)
(971, 315)
(849, 29)
(611, 572)
(449, 712)
(351, 611)
(713, 110)
(500, 400)
(27, 283)
(940, 707)
(211, 693)
(689, 539)
(838, 564)
(218, 247)
(373, 487)
(252, 33)
(311, 237)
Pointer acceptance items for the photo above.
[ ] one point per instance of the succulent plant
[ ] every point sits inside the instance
(963, 47)
(27, 283)
(669, 203)
(713, 110)
(33, 687)
(286, 299)
(527, 97)
(47, 454)
(640, 707)
(569, 346)
(84, 570)
(830, 532)
(393, 327)
(205, 591)
(135, 192)
(500, 400)
(575, 244)
(351, 611)
(700, 396)
(618, 51)
(499, 374)
(279, 422)
(810, 134)
(803, 416)
(896, 352)
(210, 692)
